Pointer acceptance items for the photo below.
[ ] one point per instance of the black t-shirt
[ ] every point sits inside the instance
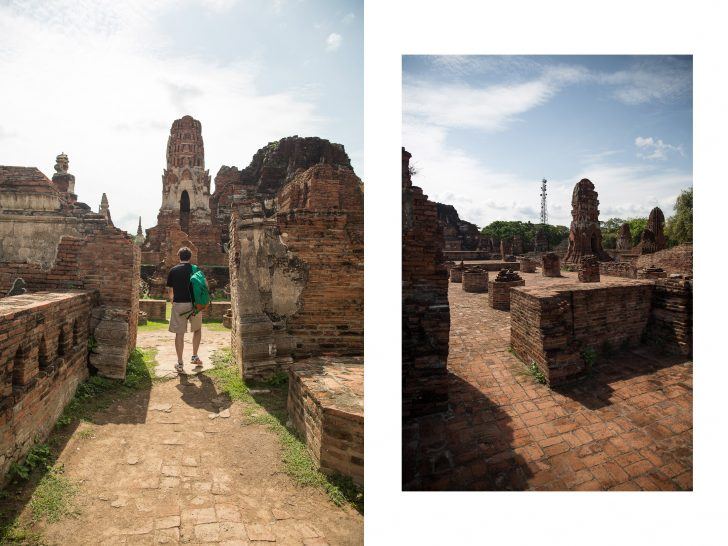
(179, 280)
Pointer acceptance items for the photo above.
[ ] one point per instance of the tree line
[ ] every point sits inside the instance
(678, 227)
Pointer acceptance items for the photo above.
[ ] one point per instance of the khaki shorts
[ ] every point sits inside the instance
(178, 323)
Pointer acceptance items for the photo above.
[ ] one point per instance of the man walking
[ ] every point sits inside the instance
(178, 281)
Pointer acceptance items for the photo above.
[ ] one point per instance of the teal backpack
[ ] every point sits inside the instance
(198, 287)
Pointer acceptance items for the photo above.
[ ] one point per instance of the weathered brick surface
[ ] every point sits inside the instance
(678, 259)
(552, 326)
(155, 309)
(671, 317)
(589, 269)
(626, 427)
(326, 407)
(321, 219)
(425, 309)
(499, 292)
(475, 279)
(550, 265)
(43, 348)
(626, 270)
(585, 236)
(528, 265)
(217, 310)
(456, 273)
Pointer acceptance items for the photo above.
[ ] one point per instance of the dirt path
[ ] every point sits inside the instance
(179, 464)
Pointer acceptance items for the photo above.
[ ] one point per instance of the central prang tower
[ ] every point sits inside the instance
(185, 182)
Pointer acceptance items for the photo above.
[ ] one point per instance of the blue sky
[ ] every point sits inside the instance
(103, 81)
(484, 130)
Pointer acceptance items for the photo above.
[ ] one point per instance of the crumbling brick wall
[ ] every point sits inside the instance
(552, 326)
(671, 318)
(105, 260)
(321, 221)
(678, 259)
(43, 349)
(425, 306)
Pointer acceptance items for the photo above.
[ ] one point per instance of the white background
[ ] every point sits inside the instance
(548, 27)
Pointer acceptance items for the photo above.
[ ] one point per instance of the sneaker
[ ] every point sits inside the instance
(179, 368)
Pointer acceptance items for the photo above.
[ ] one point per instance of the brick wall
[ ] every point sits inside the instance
(43, 349)
(216, 310)
(626, 270)
(678, 259)
(425, 307)
(671, 319)
(326, 407)
(155, 309)
(105, 260)
(321, 221)
(551, 326)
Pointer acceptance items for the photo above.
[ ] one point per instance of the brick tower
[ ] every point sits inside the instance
(585, 237)
(185, 182)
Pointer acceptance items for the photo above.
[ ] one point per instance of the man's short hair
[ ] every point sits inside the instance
(185, 254)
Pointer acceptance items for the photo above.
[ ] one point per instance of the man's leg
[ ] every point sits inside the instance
(196, 338)
(179, 345)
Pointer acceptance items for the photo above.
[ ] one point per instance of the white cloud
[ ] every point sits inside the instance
(651, 148)
(488, 109)
(333, 41)
(99, 84)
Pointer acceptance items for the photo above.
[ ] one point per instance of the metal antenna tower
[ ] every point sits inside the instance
(544, 213)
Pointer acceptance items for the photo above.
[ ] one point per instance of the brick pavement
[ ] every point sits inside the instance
(627, 427)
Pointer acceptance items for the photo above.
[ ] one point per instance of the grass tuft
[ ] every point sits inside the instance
(535, 372)
(53, 498)
(297, 461)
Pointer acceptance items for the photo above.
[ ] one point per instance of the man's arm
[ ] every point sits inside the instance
(170, 291)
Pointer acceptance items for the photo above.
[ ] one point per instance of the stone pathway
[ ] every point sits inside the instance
(179, 465)
(163, 341)
(628, 427)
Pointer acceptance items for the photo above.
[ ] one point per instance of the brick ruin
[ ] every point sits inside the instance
(475, 279)
(553, 326)
(425, 308)
(185, 216)
(585, 236)
(80, 275)
(499, 289)
(551, 265)
(675, 260)
(296, 262)
(528, 265)
(516, 245)
(589, 269)
(326, 403)
(458, 234)
(456, 273)
(624, 241)
(653, 237)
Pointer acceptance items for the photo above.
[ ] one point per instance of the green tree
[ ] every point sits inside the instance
(679, 227)
(636, 227)
(504, 229)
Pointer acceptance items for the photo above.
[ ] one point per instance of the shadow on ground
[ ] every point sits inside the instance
(98, 401)
(469, 447)
(595, 391)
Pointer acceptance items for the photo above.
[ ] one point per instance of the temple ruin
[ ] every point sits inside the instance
(624, 241)
(425, 309)
(585, 236)
(653, 237)
(77, 312)
(552, 379)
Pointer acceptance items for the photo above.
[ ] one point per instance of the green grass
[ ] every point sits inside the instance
(35, 480)
(53, 498)
(535, 372)
(157, 325)
(97, 393)
(297, 461)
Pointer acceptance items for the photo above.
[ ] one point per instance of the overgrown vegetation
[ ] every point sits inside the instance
(535, 372)
(41, 483)
(502, 229)
(97, 393)
(678, 227)
(589, 355)
(269, 409)
(53, 498)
